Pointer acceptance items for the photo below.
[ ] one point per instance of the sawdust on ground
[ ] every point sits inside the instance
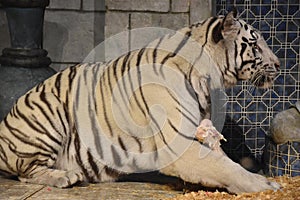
(290, 191)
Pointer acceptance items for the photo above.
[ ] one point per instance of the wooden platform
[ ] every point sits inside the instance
(13, 189)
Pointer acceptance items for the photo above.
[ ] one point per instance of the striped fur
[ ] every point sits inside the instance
(137, 113)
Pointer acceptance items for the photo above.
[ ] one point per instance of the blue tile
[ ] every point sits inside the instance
(266, 1)
(293, 9)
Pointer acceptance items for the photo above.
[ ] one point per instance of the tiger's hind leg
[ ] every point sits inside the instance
(54, 177)
(33, 135)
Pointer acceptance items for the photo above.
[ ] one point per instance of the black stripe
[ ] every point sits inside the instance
(132, 89)
(227, 67)
(187, 117)
(235, 54)
(26, 120)
(48, 104)
(154, 55)
(68, 143)
(217, 32)
(208, 28)
(38, 87)
(139, 143)
(17, 133)
(177, 131)
(109, 83)
(61, 119)
(46, 143)
(30, 122)
(46, 132)
(78, 158)
(58, 84)
(227, 58)
(72, 74)
(116, 67)
(95, 131)
(50, 120)
(104, 109)
(139, 57)
(245, 40)
(78, 93)
(4, 159)
(27, 102)
(125, 60)
(86, 77)
(178, 48)
(182, 106)
(66, 101)
(97, 67)
(121, 143)
(92, 163)
(35, 155)
(126, 63)
(244, 46)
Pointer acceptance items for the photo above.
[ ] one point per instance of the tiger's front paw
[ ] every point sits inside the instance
(253, 183)
(70, 179)
(56, 178)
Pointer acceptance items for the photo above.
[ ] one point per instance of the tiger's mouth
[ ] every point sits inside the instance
(264, 78)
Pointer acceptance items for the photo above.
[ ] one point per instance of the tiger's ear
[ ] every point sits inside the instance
(228, 28)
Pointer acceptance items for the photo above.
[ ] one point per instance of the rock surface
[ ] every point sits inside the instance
(286, 125)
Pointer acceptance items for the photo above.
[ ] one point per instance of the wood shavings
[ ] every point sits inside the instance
(290, 191)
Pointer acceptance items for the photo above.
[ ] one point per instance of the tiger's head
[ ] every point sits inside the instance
(245, 55)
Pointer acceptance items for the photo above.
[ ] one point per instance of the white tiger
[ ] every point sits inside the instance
(139, 112)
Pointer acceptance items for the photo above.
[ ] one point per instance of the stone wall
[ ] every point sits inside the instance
(73, 28)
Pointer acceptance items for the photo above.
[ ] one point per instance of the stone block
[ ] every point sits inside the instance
(116, 22)
(147, 27)
(139, 5)
(172, 21)
(200, 10)
(93, 5)
(69, 4)
(70, 36)
(140, 37)
(180, 5)
(4, 32)
(116, 34)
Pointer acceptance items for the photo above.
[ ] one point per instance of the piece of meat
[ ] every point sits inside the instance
(209, 135)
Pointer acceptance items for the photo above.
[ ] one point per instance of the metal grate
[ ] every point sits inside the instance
(283, 159)
(253, 109)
